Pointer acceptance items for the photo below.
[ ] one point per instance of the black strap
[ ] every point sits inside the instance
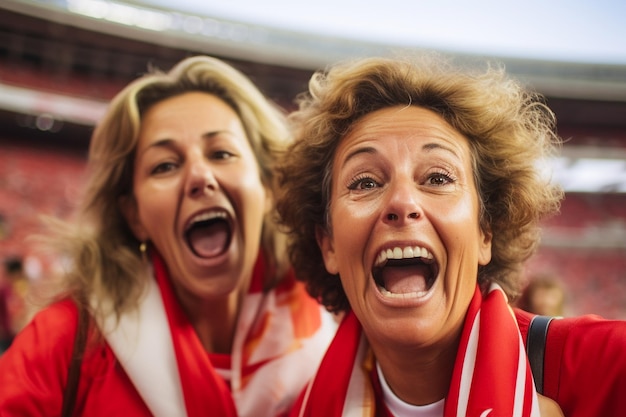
(73, 374)
(536, 347)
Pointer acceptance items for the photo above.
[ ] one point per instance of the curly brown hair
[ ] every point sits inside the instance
(510, 129)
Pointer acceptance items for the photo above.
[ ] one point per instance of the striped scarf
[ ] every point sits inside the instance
(491, 376)
(280, 338)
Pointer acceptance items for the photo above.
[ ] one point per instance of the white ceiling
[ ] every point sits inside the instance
(563, 48)
(564, 30)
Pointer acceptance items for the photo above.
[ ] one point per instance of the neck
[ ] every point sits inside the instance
(215, 320)
(418, 376)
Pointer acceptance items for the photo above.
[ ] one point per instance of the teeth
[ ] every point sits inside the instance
(409, 295)
(403, 253)
(208, 216)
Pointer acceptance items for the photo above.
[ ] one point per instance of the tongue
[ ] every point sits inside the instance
(210, 240)
(405, 279)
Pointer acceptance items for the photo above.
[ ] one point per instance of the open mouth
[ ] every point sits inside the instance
(405, 272)
(209, 234)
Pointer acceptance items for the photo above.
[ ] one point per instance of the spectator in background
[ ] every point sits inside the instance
(6, 330)
(14, 311)
(544, 295)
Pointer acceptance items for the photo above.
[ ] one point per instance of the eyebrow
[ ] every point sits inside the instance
(366, 149)
(166, 142)
(432, 146)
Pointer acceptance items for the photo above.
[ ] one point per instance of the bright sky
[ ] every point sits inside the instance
(564, 30)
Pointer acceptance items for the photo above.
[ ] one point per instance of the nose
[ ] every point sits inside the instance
(392, 217)
(201, 177)
(403, 204)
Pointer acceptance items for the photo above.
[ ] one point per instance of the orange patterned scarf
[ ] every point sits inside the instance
(280, 339)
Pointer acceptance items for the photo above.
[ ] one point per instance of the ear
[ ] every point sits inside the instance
(128, 206)
(484, 247)
(325, 242)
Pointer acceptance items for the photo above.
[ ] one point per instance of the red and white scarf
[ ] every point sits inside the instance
(281, 337)
(491, 376)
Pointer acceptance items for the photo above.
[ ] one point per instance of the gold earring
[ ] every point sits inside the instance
(143, 248)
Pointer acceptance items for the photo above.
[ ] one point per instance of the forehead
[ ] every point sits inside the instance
(190, 103)
(409, 125)
(193, 114)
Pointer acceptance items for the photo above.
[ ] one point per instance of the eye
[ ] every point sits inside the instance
(222, 154)
(163, 167)
(439, 179)
(363, 183)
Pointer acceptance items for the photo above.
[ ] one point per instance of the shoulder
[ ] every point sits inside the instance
(33, 368)
(573, 330)
(51, 330)
(579, 336)
(60, 313)
(589, 332)
(585, 354)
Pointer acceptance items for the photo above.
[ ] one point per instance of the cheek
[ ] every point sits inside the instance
(157, 204)
(153, 212)
(244, 179)
(458, 229)
(459, 222)
(343, 222)
(252, 201)
(352, 226)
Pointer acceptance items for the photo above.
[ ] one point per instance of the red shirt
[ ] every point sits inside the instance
(34, 371)
(585, 364)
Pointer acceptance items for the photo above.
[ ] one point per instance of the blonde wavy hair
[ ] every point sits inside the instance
(104, 255)
(510, 130)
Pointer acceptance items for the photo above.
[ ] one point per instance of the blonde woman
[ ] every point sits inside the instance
(180, 301)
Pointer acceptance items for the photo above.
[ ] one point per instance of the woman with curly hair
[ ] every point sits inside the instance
(413, 194)
(179, 299)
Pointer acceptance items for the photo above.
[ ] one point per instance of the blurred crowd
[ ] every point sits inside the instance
(16, 305)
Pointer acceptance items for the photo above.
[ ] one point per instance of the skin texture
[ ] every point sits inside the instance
(193, 157)
(549, 407)
(403, 177)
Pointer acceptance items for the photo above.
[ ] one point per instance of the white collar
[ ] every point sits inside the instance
(142, 343)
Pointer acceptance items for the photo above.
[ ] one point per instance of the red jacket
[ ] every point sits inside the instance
(585, 364)
(34, 371)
